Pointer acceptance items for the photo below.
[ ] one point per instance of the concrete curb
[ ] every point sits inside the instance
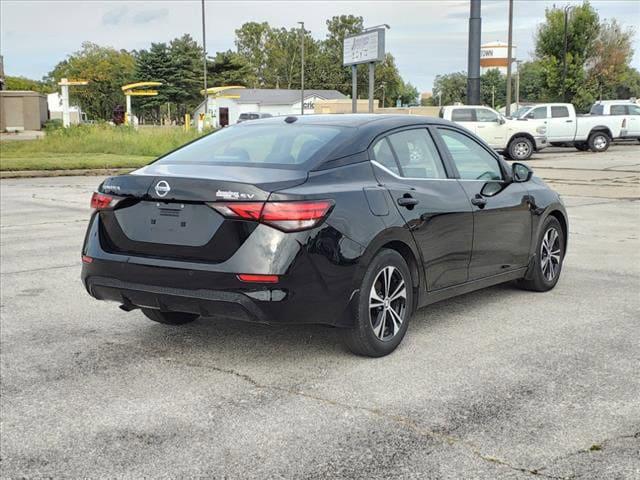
(64, 173)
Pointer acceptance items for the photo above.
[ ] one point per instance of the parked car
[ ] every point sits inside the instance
(252, 116)
(566, 128)
(353, 221)
(629, 109)
(517, 139)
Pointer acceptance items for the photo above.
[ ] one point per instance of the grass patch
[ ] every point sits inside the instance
(92, 146)
(70, 161)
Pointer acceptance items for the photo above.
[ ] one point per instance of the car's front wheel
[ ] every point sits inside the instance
(385, 305)
(547, 265)
(520, 148)
(169, 318)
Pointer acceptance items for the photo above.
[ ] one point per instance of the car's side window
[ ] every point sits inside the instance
(559, 112)
(463, 115)
(634, 110)
(417, 154)
(538, 113)
(384, 156)
(484, 115)
(471, 159)
(618, 110)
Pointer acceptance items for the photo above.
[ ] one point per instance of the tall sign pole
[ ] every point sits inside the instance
(365, 47)
(301, 68)
(475, 32)
(204, 64)
(509, 59)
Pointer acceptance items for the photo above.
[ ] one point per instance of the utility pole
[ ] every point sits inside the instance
(354, 89)
(301, 68)
(493, 96)
(475, 32)
(564, 53)
(509, 59)
(518, 63)
(204, 65)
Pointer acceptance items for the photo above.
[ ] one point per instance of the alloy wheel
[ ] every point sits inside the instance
(599, 142)
(550, 254)
(521, 149)
(387, 303)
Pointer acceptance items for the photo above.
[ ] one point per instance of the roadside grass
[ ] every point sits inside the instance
(92, 146)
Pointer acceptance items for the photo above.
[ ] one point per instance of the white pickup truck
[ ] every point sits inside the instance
(629, 110)
(517, 139)
(565, 127)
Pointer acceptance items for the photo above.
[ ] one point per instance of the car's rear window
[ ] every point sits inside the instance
(597, 109)
(284, 146)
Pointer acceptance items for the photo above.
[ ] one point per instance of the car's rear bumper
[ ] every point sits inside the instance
(315, 288)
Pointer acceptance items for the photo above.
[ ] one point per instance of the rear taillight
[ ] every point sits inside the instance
(255, 278)
(100, 201)
(287, 216)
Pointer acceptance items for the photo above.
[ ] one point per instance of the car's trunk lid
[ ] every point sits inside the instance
(165, 213)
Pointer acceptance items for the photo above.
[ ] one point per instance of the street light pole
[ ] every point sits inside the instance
(204, 64)
(509, 59)
(475, 32)
(301, 68)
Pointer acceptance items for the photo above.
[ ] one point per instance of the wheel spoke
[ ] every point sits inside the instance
(379, 329)
(375, 300)
(397, 320)
(400, 291)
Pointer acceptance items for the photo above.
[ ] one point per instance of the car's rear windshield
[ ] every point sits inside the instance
(597, 109)
(275, 146)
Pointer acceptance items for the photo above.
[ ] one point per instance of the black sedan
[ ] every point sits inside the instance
(353, 221)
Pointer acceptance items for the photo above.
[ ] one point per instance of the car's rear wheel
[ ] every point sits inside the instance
(520, 148)
(547, 265)
(599, 142)
(169, 318)
(385, 305)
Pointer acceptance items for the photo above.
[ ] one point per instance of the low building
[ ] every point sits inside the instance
(22, 110)
(54, 102)
(225, 108)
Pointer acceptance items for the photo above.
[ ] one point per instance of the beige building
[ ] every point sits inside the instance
(22, 110)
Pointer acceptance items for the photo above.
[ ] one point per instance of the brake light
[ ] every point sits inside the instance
(286, 216)
(253, 278)
(100, 201)
(86, 259)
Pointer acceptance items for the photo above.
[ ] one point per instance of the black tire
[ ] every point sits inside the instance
(583, 147)
(599, 142)
(169, 318)
(380, 335)
(520, 148)
(537, 278)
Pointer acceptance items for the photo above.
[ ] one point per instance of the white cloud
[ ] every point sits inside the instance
(426, 37)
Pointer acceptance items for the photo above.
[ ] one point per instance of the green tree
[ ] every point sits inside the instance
(106, 69)
(23, 83)
(582, 31)
(493, 88)
(251, 41)
(229, 68)
(452, 87)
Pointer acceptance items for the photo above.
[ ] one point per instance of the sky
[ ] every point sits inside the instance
(427, 37)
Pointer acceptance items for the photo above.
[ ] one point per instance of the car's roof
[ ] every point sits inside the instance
(355, 120)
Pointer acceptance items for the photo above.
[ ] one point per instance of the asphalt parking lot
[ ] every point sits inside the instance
(500, 383)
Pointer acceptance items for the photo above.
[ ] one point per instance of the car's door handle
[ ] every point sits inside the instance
(569, 121)
(408, 201)
(479, 201)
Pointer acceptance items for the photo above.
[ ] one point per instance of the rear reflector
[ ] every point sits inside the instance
(287, 216)
(100, 201)
(247, 277)
(86, 259)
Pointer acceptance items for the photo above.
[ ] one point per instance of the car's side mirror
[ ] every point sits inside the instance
(501, 121)
(521, 172)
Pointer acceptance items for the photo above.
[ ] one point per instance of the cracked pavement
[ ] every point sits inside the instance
(499, 383)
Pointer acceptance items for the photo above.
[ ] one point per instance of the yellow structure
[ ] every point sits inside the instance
(130, 91)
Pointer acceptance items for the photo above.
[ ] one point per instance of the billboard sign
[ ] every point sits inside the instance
(364, 48)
